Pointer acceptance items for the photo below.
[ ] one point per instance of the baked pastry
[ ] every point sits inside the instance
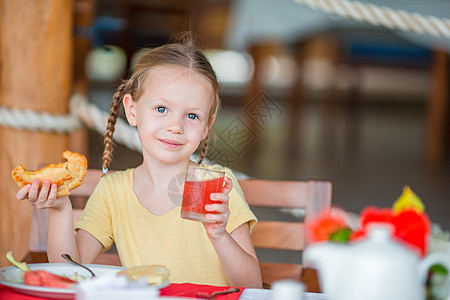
(67, 175)
(153, 274)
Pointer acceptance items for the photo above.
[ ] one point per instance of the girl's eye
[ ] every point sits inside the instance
(161, 109)
(192, 116)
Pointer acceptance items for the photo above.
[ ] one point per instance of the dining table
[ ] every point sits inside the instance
(308, 278)
(262, 294)
(247, 294)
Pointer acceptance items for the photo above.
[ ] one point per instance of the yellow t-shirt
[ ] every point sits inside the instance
(114, 214)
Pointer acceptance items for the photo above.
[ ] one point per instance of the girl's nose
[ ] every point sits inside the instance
(175, 125)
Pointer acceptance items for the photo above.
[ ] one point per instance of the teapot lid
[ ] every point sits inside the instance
(382, 235)
(380, 230)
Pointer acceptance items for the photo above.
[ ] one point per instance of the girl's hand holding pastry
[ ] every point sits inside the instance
(67, 175)
(49, 187)
(45, 197)
(218, 212)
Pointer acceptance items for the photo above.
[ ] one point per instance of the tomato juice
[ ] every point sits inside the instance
(196, 195)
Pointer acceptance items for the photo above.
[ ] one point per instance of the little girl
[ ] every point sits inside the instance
(172, 98)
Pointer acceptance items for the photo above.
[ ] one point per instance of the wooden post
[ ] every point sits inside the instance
(35, 73)
(83, 14)
(438, 104)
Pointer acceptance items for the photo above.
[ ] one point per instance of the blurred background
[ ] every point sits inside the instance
(306, 95)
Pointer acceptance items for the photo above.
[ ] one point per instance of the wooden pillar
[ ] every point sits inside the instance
(83, 14)
(35, 73)
(296, 100)
(438, 105)
(258, 52)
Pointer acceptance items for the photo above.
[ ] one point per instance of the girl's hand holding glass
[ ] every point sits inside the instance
(200, 183)
(218, 213)
(46, 197)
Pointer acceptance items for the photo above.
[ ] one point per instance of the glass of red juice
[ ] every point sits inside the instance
(200, 183)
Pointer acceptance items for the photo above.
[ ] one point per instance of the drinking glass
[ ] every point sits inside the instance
(200, 183)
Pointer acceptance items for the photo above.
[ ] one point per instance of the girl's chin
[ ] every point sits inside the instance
(170, 159)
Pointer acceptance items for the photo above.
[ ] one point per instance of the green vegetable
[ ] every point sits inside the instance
(21, 265)
(341, 236)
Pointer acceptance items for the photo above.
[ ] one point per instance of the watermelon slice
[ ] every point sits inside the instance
(47, 279)
(40, 277)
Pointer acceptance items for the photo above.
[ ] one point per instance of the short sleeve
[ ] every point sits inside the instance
(96, 217)
(240, 212)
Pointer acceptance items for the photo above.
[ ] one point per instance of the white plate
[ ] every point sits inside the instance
(11, 277)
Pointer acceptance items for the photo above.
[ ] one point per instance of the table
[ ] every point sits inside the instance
(308, 277)
(260, 294)
(248, 294)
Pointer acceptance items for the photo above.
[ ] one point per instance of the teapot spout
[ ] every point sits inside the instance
(329, 260)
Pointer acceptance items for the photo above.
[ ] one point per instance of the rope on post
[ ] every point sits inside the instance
(37, 121)
(81, 112)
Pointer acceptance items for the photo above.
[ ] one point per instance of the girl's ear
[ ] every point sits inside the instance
(130, 109)
(209, 127)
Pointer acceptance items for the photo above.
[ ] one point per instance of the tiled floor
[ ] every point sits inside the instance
(368, 160)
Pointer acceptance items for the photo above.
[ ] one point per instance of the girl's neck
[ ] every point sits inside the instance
(158, 186)
(159, 174)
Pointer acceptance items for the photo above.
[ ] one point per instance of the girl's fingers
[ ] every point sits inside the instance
(52, 200)
(222, 197)
(22, 193)
(220, 208)
(228, 185)
(33, 193)
(46, 197)
(43, 194)
(217, 218)
(53, 191)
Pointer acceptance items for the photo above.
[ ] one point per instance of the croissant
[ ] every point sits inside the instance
(154, 274)
(67, 175)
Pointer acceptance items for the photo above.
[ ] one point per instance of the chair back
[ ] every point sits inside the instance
(282, 208)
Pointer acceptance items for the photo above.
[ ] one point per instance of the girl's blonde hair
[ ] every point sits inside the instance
(181, 53)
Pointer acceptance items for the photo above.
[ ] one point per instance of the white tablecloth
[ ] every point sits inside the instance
(260, 294)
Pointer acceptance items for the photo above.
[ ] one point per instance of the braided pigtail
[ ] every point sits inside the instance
(110, 127)
(205, 145)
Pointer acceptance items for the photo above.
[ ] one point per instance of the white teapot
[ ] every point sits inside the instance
(377, 268)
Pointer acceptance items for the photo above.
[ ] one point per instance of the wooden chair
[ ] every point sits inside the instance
(280, 240)
(39, 224)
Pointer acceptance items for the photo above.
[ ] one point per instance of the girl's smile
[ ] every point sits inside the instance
(170, 143)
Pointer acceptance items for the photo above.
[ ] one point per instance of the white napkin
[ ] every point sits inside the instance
(113, 287)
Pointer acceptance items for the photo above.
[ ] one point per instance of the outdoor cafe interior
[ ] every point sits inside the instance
(318, 111)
